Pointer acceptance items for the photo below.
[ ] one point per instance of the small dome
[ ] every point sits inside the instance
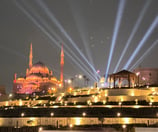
(39, 67)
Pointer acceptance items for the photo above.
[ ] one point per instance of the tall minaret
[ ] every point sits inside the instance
(30, 57)
(62, 65)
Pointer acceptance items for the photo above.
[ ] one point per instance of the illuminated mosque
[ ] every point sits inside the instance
(38, 78)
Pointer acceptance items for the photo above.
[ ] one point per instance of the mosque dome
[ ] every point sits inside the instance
(39, 67)
(34, 77)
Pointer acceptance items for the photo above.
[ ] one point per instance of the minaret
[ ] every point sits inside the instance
(15, 76)
(62, 65)
(30, 57)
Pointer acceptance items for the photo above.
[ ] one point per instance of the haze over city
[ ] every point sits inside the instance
(94, 35)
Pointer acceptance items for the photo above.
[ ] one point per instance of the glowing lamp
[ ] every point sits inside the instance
(124, 126)
(71, 125)
(70, 89)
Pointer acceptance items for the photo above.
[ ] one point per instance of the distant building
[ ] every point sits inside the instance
(2, 90)
(3, 95)
(38, 79)
(147, 76)
(121, 79)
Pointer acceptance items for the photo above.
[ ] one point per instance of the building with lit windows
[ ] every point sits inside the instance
(147, 76)
(38, 78)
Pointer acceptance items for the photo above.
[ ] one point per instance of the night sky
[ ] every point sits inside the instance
(88, 25)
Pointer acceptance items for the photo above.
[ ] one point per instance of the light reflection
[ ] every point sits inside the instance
(136, 106)
(126, 120)
(108, 106)
(78, 121)
(55, 106)
(79, 106)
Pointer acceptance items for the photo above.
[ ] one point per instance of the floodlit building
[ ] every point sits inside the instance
(38, 78)
(147, 76)
(120, 79)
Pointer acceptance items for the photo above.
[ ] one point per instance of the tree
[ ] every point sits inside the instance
(85, 78)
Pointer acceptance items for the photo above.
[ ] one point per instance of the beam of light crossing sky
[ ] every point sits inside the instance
(137, 24)
(115, 32)
(49, 36)
(57, 71)
(144, 55)
(146, 36)
(80, 24)
(55, 21)
(57, 36)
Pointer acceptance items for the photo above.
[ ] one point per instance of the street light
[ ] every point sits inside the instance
(150, 103)
(10, 95)
(120, 103)
(51, 114)
(71, 125)
(137, 74)
(83, 114)
(118, 114)
(80, 76)
(40, 129)
(22, 114)
(123, 126)
(69, 81)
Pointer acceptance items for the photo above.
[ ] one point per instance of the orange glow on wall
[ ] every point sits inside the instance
(70, 89)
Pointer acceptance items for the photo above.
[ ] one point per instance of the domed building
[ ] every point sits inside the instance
(39, 67)
(38, 78)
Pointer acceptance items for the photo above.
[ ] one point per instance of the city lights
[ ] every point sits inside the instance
(73, 90)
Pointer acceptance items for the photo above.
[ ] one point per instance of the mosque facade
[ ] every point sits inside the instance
(38, 78)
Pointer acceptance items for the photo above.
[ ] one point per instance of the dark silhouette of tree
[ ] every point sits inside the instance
(72, 81)
(85, 77)
(87, 81)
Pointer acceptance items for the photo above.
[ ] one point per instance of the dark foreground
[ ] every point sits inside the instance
(104, 128)
(150, 112)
